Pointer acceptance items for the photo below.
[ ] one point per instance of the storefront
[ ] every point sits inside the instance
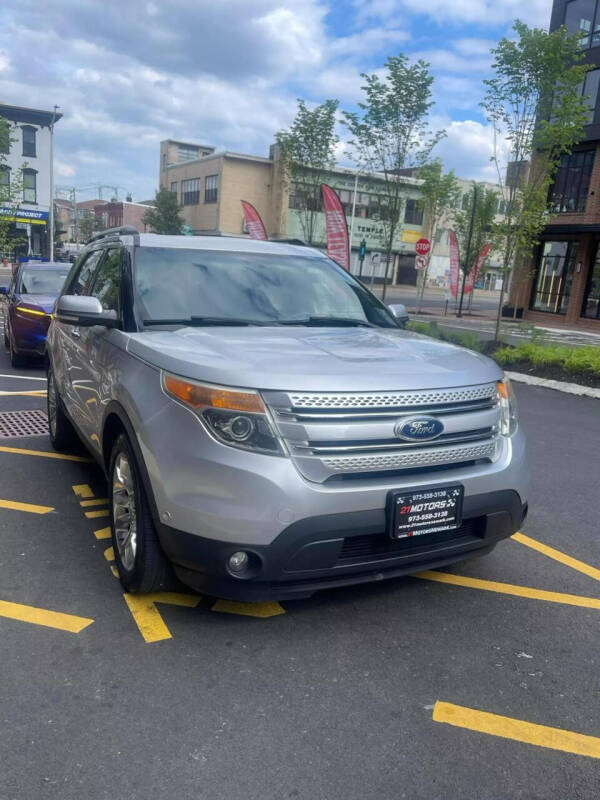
(27, 232)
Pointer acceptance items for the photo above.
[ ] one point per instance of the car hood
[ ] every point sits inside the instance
(317, 359)
(43, 301)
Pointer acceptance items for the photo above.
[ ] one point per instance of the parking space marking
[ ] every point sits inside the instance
(41, 616)
(28, 507)
(516, 729)
(147, 617)
(22, 377)
(44, 454)
(82, 490)
(509, 588)
(109, 554)
(32, 393)
(557, 555)
(103, 533)
(96, 514)
(261, 610)
(98, 501)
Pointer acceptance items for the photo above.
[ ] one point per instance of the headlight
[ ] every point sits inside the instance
(236, 418)
(509, 416)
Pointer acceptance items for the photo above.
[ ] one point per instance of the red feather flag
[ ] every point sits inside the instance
(338, 247)
(454, 262)
(254, 224)
(474, 274)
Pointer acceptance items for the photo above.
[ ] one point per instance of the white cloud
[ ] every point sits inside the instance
(368, 42)
(468, 149)
(63, 170)
(486, 12)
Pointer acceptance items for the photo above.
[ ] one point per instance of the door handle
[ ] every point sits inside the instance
(75, 333)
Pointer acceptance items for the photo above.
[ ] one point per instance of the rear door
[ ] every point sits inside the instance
(69, 351)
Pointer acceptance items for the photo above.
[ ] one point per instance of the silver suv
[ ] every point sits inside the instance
(266, 427)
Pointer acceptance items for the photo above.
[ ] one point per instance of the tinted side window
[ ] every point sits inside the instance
(107, 286)
(83, 279)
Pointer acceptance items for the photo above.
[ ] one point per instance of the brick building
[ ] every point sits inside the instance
(563, 288)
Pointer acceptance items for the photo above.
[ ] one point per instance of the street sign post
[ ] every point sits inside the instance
(362, 251)
(423, 246)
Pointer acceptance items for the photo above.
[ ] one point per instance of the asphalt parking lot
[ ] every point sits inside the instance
(478, 682)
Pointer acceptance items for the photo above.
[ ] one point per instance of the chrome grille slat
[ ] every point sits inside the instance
(417, 458)
(363, 400)
(440, 411)
(325, 449)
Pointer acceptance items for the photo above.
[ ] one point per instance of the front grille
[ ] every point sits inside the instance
(382, 546)
(354, 433)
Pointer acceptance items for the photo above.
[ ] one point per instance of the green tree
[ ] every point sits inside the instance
(534, 101)
(165, 215)
(391, 132)
(11, 193)
(89, 224)
(307, 153)
(475, 227)
(440, 195)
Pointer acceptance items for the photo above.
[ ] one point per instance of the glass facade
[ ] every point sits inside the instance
(581, 16)
(571, 186)
(591, 302)
(554, 277)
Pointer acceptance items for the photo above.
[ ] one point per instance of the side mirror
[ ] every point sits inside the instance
(3, 289)
(400, 312)
(84, 311)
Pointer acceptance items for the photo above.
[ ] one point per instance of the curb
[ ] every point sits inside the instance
(559, 386)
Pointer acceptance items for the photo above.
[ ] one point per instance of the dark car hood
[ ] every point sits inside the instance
(317, 359)
(43, 301)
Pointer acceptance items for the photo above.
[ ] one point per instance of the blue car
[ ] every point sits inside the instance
(28, 305)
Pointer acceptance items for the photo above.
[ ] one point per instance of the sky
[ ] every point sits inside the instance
(129, 73)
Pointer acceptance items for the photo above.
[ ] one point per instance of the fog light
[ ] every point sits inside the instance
(241, 428)
(238, 561)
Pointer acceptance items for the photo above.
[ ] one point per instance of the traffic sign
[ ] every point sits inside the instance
(421, 262)
(423, 246)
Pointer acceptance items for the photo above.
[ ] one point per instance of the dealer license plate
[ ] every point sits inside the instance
(426, 511)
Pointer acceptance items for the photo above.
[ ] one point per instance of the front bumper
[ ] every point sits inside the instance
(339, 550)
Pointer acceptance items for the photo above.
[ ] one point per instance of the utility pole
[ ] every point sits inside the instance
(352, 220)
(467, 260)
(51, 215)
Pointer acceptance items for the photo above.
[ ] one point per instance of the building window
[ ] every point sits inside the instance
(174, 187)
(570, 189)
(4, 182)
(29, 186)
(591, 301)
(210, 188)
(190, 192)
(466, 199)
(589, 93)
(554, 277)
(186, 153)
(413, 213)
(5, 132)
(579, 18)
(29, 141)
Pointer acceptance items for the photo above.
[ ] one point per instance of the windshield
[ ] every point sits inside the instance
(42, 281)
(200, 285)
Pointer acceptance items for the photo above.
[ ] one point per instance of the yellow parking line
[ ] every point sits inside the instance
(508, 588)
(262, 610)
(43, 454)
(98, 501)
(41, 616)
(516, 729)
(103, 533)
(147, 617)
(109, 554)
(95, 514)
(32, 393)
(31, 509)
(568, 561)
(82, 490)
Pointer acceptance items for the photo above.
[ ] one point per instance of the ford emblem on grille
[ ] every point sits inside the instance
(418, 429)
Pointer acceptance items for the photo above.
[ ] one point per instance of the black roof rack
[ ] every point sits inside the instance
(123, 230)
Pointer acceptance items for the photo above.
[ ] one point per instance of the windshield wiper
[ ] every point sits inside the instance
(201, 321)
(341, 322)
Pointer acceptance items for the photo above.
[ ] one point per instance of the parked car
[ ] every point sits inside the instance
(28, 307)
(266, 427)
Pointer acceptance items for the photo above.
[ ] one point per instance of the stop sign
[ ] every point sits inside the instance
(423, 246)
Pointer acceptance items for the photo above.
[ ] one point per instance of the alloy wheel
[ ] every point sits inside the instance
(124, 511)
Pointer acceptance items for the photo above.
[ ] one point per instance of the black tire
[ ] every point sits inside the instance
(62, 433)
(15, 359)
(140, 560)
(6, 342)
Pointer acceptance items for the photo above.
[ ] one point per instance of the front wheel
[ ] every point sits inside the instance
(140, 561)
(15, 359)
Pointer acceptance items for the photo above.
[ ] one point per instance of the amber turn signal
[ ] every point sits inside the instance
(198, 395)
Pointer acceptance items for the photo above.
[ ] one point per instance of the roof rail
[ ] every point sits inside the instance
(124, 229)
